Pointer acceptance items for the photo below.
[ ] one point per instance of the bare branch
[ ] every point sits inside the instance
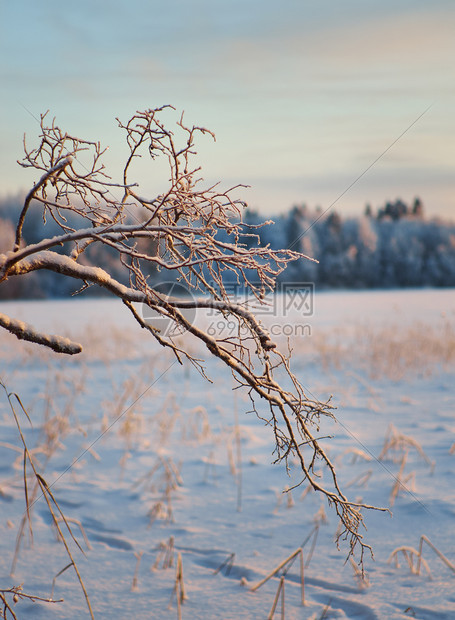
(195, 235)
(23, 331)
(47, 176)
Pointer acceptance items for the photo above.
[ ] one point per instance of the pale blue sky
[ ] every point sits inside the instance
(302, 95)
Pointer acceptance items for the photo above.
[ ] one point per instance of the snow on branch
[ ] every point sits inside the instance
(24, 331)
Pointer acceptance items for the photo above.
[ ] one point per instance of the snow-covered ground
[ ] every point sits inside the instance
(153, 461)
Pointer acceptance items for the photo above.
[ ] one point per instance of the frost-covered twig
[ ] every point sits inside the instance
(17, 593)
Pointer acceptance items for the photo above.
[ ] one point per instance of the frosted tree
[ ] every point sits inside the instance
(195, 234)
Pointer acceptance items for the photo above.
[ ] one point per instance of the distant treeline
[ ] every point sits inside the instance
(394, 247)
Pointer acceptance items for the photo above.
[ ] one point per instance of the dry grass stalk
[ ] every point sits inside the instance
(324, 611)
(126, 407)
(228, 563)
(440, 555)
(306, 491)
(161, 510)
(280, 496)
(179, 587)
(289, 500)
(10, 446)
(166, 419)
(166, 553)
(30, 500)
(56, 424)
(198, 425)
(60, 572)
(231, 460)
(356, 454)
(399, 481)
(396, 442)
(170, 475)
(361, 480)
(52, 504)
(81, 528)
(134, 584)
(166, 483)
(313, 536)
(320, 516)
(410, 554)
(173, 475)
(287, 562)
(168, 561)
(279, 592)
(92, 452)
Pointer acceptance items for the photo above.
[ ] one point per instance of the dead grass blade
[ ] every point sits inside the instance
(48, 498)
(287, 562)
(228, 563)
(179, 587)
(58, 575)
(279, 592)
(314, 536)
(440, 555)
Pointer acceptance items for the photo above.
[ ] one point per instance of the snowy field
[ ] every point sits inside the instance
(151, 463)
